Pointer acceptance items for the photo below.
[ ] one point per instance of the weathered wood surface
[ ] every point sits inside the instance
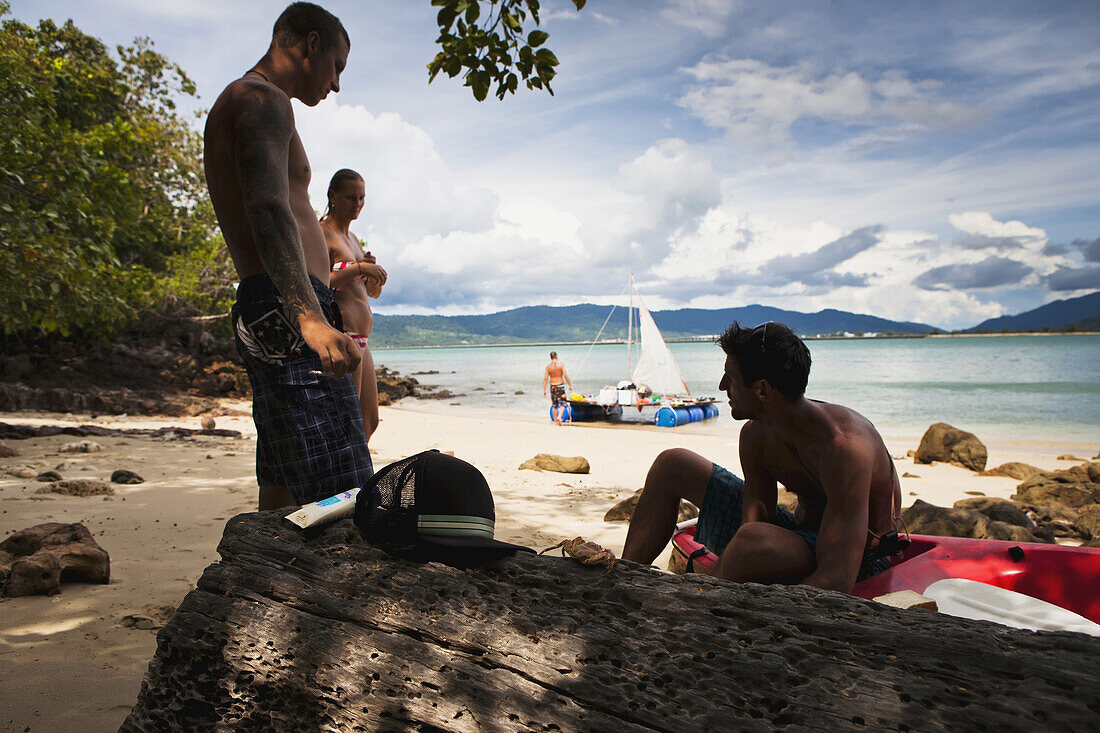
(329, 633)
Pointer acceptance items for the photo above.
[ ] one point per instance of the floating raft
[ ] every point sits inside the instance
(662, 413)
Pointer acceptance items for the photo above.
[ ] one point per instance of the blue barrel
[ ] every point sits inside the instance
(682, 416)
(665, 418)
(712, 410)
(566, 413)
(695, 414)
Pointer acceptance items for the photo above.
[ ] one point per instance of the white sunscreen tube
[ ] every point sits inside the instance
(326, 510)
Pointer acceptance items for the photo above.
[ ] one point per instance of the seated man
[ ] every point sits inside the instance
(830, 456)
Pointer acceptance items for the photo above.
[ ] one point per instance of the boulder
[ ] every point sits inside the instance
(560, 464)
(1000, 510)
(1088, 522)
(124, 476)
(624, 510)
(1013, 469)
(22, 472)
(38, 559)
(1070, 457)
(6, 452)
(925, 518)
(319, 630)
(78, 487)
(1074, 487)
(48, 476)
(942, 442)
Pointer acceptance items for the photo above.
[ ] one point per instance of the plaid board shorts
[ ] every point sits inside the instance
(309, 427)
(720, 518)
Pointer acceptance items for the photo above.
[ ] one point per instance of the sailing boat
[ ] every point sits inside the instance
(656, 388)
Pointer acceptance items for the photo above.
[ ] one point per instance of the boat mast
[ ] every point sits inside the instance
(630, 327)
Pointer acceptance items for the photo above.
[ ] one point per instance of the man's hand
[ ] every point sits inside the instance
(339, 354)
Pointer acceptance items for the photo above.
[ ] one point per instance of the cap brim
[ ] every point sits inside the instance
(468, 551)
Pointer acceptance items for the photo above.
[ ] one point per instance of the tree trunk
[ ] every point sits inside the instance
(319, 630)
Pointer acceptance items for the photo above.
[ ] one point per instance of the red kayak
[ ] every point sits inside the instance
(1065, 576)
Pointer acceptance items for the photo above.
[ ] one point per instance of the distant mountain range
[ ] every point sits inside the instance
(1081, 313)
(550, 324)
(543, 323)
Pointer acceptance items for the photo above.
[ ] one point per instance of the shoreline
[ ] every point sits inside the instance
(706, 339)
(76, 647)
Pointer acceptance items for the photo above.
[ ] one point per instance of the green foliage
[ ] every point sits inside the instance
(495, 50)
(102, 196)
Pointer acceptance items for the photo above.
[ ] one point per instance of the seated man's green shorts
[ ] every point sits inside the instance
(720, 518)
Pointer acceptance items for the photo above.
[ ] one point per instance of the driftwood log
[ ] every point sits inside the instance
(321, 631)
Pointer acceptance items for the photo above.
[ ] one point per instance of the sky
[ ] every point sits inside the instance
(925, 161)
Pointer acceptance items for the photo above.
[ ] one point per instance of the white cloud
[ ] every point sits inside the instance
(758, 103)
(705, 16)
(411, 193)
(982, 223)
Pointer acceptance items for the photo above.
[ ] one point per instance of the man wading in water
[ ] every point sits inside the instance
(309, 431)
(556, 376)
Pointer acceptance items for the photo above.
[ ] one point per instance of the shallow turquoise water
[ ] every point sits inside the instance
(1010, 387)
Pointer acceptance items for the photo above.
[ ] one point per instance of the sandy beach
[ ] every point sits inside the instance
(73, 661)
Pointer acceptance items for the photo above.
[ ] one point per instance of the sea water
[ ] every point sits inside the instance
(1029, 388)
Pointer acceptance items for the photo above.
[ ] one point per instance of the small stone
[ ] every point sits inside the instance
(22, 472)
(909, 475)
(124, 476)
(82, 446)
(1070, 457)
(48, 476)
(208, 423)
(6, 452)
(560, 464)
(77, 487)
(140, 621)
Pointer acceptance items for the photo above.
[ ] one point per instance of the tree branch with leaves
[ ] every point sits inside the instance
(485, 42)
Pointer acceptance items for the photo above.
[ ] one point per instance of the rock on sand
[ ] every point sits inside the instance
(942, 442)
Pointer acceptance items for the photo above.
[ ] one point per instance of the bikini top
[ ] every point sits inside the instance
(344, 265)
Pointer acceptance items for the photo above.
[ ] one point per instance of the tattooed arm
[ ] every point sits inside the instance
(263, 133)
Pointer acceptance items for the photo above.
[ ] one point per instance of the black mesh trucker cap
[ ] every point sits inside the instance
(432, 506)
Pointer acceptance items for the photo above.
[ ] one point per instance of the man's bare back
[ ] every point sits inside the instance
(799, 463)
(555, 372)
(249, 96)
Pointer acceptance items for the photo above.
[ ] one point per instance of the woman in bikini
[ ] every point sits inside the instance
(356, 277)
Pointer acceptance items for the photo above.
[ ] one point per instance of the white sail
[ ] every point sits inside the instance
(656, 368)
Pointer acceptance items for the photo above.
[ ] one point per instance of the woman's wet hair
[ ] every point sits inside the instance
(770, 351)
(300, 19)
(339, 178)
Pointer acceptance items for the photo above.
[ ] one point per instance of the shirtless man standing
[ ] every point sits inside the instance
(555, 374)
(830, 456)
(310, 439)
(357, 278)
